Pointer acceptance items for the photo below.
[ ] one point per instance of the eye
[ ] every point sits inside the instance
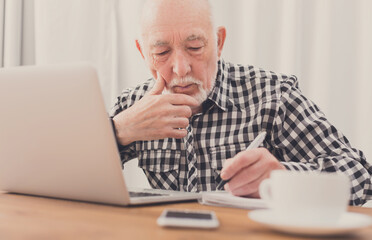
(162, 53)
(195, 49)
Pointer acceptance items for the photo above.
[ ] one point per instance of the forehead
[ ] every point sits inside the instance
(176, 20)
(166, 36)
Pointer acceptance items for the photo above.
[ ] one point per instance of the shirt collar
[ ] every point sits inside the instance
(219, 95)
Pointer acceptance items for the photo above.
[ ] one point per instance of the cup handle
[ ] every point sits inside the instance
(265, 191)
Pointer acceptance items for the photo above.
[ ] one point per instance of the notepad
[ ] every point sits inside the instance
(225, 199)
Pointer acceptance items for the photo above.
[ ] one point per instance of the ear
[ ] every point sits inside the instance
(221, 36)
(138, 45)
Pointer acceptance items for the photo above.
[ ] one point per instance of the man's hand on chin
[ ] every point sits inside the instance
(155, 116)
(247, 170)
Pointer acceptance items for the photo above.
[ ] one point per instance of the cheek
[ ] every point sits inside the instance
(211, 75)
(157, 68)
(152, 69)
(210, 67)
(206, 71)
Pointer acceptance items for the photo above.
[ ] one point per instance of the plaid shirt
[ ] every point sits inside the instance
(244, 102)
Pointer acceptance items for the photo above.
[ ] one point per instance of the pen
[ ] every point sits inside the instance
(256, 142)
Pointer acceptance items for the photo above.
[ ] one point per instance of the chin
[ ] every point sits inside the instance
(201, 96)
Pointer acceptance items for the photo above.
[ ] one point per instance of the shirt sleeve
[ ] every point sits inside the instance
(306, 141)
(126, 152)
(127, 98)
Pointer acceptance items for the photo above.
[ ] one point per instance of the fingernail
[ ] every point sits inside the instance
(223, 174)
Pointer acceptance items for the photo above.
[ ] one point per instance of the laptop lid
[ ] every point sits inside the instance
(56, 139)
(55, 136)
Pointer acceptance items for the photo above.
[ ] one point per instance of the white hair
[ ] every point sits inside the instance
(142, 12)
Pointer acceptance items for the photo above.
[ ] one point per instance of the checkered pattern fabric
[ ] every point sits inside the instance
(192, 175)
(245, 102)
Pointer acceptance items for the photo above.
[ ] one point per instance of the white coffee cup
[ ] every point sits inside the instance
(306, 198)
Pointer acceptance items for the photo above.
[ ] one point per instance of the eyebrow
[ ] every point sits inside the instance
(196, 37)
(159, 44)
(190, 38)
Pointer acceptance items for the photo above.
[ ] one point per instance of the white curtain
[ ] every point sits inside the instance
(10, 32)
(16, 33)
(326, 43)
(2, 12)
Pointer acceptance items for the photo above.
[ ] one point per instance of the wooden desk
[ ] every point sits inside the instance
(26, 217)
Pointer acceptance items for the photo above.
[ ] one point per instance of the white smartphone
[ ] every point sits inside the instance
(188, 218)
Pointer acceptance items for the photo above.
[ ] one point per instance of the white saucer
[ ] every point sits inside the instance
(349, 222)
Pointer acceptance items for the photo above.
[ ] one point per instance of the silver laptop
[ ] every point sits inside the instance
(56, 139)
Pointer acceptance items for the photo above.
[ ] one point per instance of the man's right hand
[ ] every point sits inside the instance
(155, 116)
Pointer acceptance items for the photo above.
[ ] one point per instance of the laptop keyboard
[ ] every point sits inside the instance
(145, 194)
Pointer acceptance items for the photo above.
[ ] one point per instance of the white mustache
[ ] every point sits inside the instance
(185, 81)
(202, 94)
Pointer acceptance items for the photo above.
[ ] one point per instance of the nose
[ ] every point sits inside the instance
(181, 64)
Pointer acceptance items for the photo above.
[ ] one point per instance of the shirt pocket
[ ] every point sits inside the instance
(219, 154)
(161, 167)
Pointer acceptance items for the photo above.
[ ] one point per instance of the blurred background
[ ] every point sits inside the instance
(327, 44)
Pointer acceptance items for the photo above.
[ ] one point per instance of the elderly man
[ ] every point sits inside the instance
(190, 124)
